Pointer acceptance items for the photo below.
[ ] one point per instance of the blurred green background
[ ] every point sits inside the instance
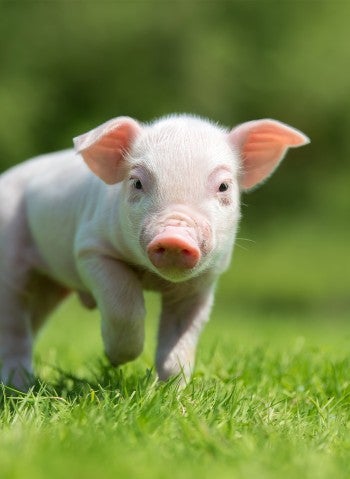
(66, 66)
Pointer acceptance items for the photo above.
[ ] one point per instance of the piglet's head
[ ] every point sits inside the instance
(181, 178)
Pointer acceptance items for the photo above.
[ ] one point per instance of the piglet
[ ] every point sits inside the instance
(135, 207)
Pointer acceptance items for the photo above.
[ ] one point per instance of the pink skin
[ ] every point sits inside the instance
(166, 222)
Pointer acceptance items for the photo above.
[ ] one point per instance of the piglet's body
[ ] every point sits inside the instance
(134, 207)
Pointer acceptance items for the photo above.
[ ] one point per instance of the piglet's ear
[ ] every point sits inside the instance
(262, 144)
(104, 149)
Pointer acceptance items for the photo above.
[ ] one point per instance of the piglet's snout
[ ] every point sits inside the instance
(173, 249)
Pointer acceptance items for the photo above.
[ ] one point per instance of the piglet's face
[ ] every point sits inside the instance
(182, 197)
(181, 178)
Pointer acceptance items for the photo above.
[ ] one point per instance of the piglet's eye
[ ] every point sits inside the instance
(223, 187)
(137, 184)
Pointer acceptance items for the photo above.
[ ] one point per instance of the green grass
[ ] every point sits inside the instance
(270, 397)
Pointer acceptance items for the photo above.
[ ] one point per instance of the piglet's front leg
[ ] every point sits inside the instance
(182, 320)
(119, 297)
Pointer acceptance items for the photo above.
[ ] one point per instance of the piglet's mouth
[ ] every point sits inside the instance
(174, 250)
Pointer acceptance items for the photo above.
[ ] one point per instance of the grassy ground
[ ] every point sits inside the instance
(270, 396)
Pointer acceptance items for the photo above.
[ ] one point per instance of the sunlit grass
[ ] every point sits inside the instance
(261, 408)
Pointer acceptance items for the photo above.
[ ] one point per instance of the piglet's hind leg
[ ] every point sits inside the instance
(15, 340)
